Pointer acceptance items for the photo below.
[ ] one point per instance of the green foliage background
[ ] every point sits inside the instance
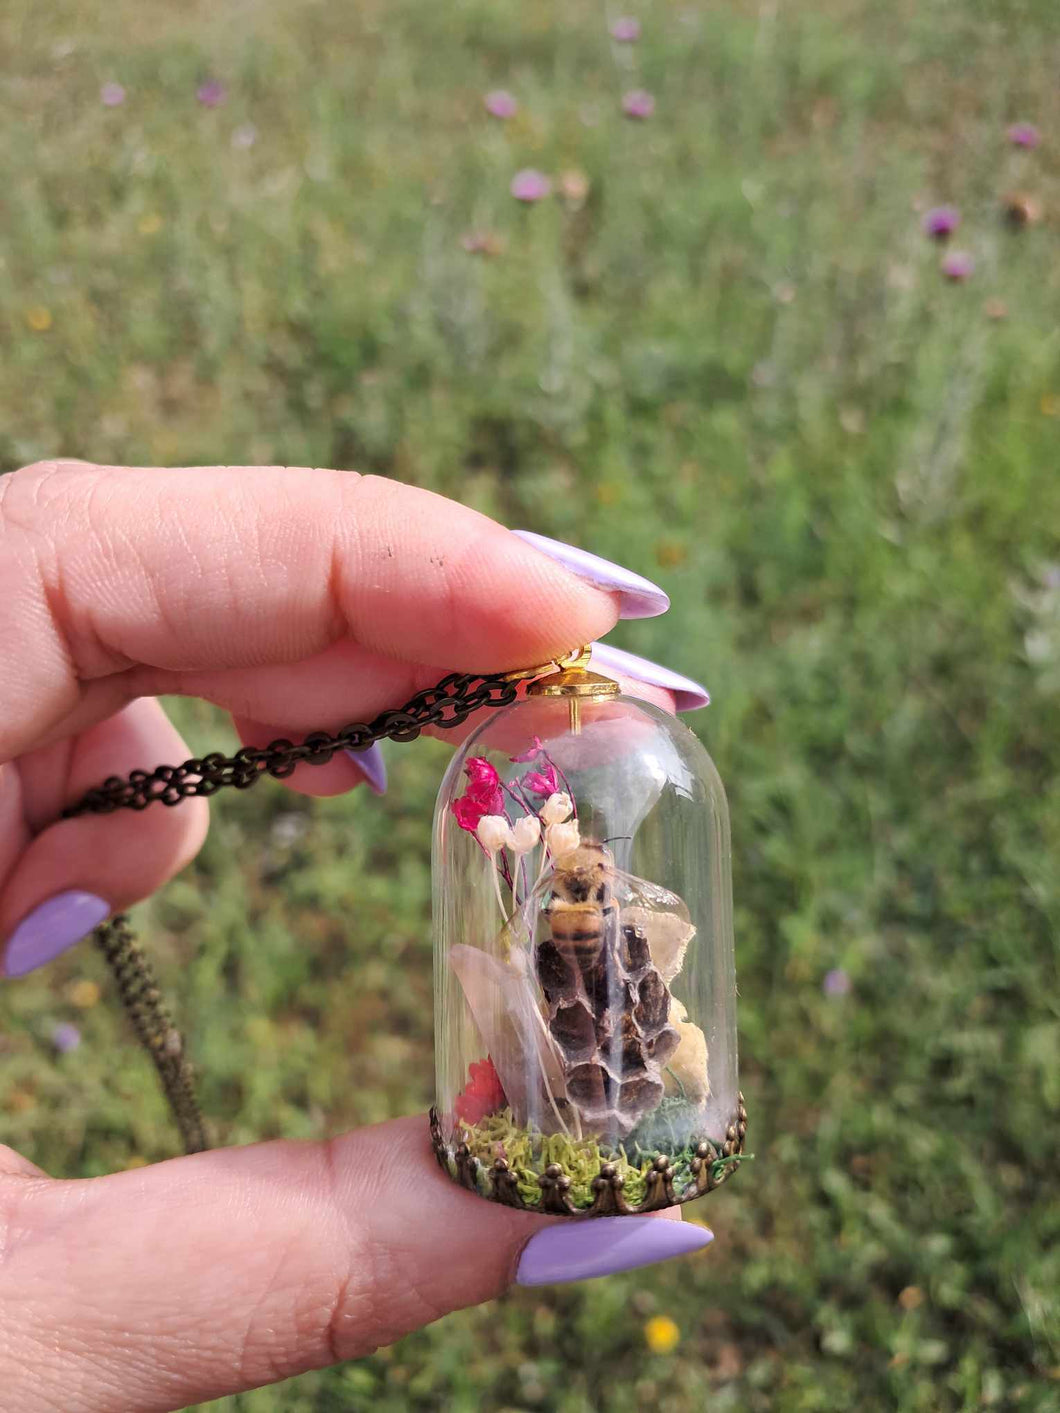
(735, 368)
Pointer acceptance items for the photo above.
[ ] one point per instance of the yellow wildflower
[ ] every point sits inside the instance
(83, 994)
(150, 224)
(38, 318)
(662, 1334)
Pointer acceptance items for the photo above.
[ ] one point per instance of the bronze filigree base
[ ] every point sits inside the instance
(711, 1165)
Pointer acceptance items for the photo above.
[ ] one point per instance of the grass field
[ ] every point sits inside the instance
(734, 365)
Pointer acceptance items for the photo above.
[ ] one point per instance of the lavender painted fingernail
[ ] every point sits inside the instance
(372, 766)
(51, 928)
(580, 1251)
(638, 597)
(688, 695)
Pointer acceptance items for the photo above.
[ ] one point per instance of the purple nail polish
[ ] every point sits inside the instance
(51, 928)
(638, 597)
(602, 1246)
(688, 695)
(372, 766)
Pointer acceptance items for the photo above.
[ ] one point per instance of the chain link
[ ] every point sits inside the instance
(446, 705)
(154, 1029)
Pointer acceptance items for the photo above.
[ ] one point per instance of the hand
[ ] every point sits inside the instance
(295, 599)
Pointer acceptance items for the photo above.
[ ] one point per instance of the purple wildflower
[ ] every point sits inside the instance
(501, 104)
(940, 222)
(626, 30)
(211, 94)
(638, 103)
(66, 1037)
(958, 265)
(1024, 135)
(530, 185)
(112, 95)
(836, 983)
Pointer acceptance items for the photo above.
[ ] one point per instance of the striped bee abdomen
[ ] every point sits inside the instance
(607, 1006)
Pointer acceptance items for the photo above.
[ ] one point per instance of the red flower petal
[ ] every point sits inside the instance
(483, 1094)
(468, 812)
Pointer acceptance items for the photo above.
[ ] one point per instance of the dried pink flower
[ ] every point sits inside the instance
(531, 753)
(638, 103)
(483, 796)
(541, 782)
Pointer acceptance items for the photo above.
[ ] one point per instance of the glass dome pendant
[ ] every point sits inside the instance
(585, 994)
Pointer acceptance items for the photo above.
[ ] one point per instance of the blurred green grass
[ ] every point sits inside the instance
(734, 368)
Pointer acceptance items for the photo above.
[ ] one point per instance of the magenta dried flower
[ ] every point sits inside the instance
(112, 95)
(483, 796)
(638, 103)
(501, 104)
(530, 185)
(940, 222)
(958, 265)
(531, 753)
(211, 94)
(1024, 135)
(836, 983)
(541, 782)
(66, 1037)
(626, 30)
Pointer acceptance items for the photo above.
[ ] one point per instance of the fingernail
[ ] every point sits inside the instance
(603, 1246)
(688, 695)
(638, 597)
(372, 766)
(51, 928)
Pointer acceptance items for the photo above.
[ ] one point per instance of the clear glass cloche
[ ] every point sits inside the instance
(585, 995)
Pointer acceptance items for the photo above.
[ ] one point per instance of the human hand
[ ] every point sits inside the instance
(297, 600)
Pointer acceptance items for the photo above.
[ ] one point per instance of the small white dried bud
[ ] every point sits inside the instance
(562, 838)
(557, 808)
(493, 832)
(526, 834)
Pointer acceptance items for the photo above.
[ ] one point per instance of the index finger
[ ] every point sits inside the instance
(106, 569)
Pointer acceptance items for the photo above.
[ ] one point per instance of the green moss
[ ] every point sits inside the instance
(529, 1153)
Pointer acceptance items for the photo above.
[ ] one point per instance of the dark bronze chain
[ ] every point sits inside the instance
(446, 705)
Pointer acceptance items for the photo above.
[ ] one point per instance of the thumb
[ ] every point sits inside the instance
(207, 1275)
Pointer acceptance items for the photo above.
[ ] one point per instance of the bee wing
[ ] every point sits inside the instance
(504, 1005)
(661, 915)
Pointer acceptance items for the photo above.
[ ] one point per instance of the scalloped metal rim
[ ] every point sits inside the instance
(500, 1184)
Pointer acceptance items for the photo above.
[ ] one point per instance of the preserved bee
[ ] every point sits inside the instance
(608, 1006)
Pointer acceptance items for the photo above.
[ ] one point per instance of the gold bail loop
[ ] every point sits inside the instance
(574, 681)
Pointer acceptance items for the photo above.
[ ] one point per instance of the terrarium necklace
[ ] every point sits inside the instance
(585, 996)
